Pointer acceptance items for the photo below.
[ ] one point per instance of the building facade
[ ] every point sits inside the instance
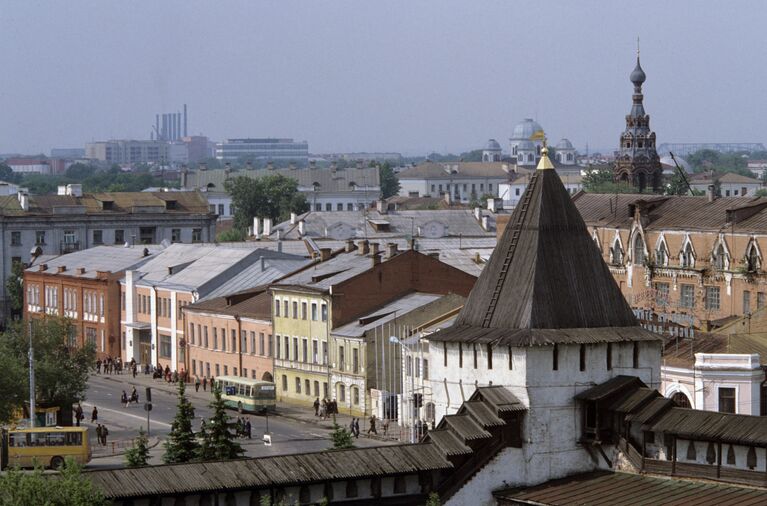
(125, 151)
(463, 181)
(288, 150)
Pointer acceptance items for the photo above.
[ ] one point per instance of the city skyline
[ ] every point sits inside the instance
(401, 77)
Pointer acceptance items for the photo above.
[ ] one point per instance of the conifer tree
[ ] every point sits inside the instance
(218, 441)
(181, 444)
(342, 438)
(138, 454)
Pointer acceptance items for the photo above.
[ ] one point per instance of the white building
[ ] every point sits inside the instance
(757, 167)
(730, 184)
(513, 190)
(463, 181)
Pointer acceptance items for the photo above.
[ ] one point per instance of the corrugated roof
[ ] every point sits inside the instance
(712, 426)
(500, 397)
(653, 409)
(386, 313)
(610, 387)
(114, 259)
(481, 413)
(542, 337)
(256, 305)
(619, 489)
(282, 470)
(465, 426)
(635, 400)
(449, 443)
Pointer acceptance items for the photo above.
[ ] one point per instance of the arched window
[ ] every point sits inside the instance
(687, 259)
(514, 150)
(341, 392)
(753, 262)
(616, 254)
(355, 396)
(530, 157)
(681, 400)
(661, 254)
(720, 258)
(638, 256)
(267, 376)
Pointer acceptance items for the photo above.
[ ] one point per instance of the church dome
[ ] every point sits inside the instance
(564, 144)
(637, 75)
(525, 129)
(526, 146)
(492, 145)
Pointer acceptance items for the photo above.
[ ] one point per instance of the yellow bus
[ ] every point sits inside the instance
(245, 394)
(45, 446)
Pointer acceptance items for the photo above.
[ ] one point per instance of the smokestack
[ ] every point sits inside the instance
(157, 126)
(185, 132)
(711, 193)
(164, 133)
(178, 126)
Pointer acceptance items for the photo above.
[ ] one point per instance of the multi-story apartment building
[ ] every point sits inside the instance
(245, 320)
(32, 225)
(463, 181)
(154, 295)
(337, 290)
(85, 288)
(125, 151)
(263, 149)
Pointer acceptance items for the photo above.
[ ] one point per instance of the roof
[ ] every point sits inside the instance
(448, 442)
(618, 489)
(465, 426)
(112, 259)
(326, 179)
(255, 303)
(634, 400)
(395, 309)
(696, 424)
(456, 170)
(499, 397)
(733, 177)
(610, 387)
(322, 275)
(282, 470)
(545, 273)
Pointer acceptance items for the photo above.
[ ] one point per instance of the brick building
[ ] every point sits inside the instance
(246, 315)
(85, 287)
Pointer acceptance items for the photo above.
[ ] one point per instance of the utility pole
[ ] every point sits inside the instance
(31, 379)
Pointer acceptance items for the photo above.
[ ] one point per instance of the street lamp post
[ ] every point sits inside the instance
(411, 400)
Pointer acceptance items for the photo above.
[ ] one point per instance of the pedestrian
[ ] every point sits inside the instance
(351, 426)
(196, 384)
(357, 428)
(386, 426)
(317, 406)
(98, 366)
(124, 399)
(248, 428)
(205, 384)
(78, 414)
(134, 369)
(323, 409)
(372, 427)
(98, 433)
(104, 434)
(239, 427)
(94, 414)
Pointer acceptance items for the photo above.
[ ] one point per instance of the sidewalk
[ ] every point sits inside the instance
(118, 447)
(283, 409)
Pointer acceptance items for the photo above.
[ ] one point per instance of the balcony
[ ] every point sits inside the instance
(69, 247)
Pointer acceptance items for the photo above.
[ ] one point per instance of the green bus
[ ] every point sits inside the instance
(247, 395)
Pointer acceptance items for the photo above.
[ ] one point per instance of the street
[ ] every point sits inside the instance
(288, 435)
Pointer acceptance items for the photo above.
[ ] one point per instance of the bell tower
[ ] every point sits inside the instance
(638, 162)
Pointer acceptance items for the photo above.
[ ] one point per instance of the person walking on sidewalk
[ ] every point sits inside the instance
(124, 399)
(351, 427)
(357, 428)
(372, 427)
(98, 433)
(104, 434)
(248, 428)
(386, 426)
(78, 414)
(94, 414)
(196, 384)
(317, 406)
(205, 384)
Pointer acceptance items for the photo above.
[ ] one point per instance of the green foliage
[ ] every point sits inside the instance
(475, 155)
(709, 160)
(273, 196)
(68, 488)
(433, 500)
(218, 441)
(762, 192)
(677, 185)
(231, 235)
(600, 180)
(7, 174)
(341, 438)
(389, 181)
(14, 288)
(138, 454)
(93, 180)
(181, 444)
(61, 370)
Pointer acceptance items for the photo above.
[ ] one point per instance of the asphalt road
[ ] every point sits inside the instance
(288, 435)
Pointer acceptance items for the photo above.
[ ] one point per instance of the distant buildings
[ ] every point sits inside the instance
(687, 148)
(45, 166)
(128, 151)
(757, 167)
(462, 181)
(729, 184)
(68, 153)
(287, 150)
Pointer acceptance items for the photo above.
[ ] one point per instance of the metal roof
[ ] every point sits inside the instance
(384, 314)
(712, 426)
(610, 387)
(282, 470)
(113, 259)
(500, 397)
(618, 489)
(542, 337)
(269, 266)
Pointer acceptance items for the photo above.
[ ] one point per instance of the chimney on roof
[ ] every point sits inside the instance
(61, 268)
(411, 244)
(495, 204)
(486, 223)
(324, 254)
(80, 271)
(363, 247)
(477, 213)
(279, 246)
(381, 206)
(62, 189)
(267, 227)
(391, 250)
(263, 264)
(301, 227)
(256, 231)
(23, 199)
(293, 217)
(374, 248)
(375, 258)
(711, 193)
(75, 190)
(43, 267)
(349, 245)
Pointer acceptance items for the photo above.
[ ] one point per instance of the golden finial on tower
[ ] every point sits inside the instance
(544, 162)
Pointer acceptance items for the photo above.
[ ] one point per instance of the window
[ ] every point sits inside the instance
(307, 387)
(616, 253)
(726, 400)
(760, 300)
(399, 485)
(287, 348)
(284, 383)
(215, 338)
(635, 355)
(298, 385)
(69, 237)
(687, 259)
(295, 310)
(260, 343)
(175, 235)
(191, 333)
(324, 353)
(609, 356)
(304, 314)
(40, 237)
(746, 302)
(342, 359)
(555, 358)
(196, 235)
(661, 254)
(328, 206)
(226, 370)
(15, 238)
(460, 354)
(277, 346)
(119, 236)
(720, 258)
(687, 295)
(752, 258)
(205, 335)
(489, 356)
(355, 396)
(409, 366)
(276, 307)
(221, 209)
(426, 369)
(165, 346)
(316, 388)
(234, 340)
(342, 393)
(269, 340)
(305, 350)
(356, 361)
(661, 294)
(98, 237)
(639, 256)
(285, 307)
(295, 348)
(314, 311)
(324, 312)
(712, 298)
(351, 485)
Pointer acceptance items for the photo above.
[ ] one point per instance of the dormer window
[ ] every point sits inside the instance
(639, 255)
(616, 253)
(753, 260)
(687, 258)
(720, 258)
(661, 254)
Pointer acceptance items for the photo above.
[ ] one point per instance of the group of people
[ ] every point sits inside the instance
(325, 408)
(128, 400)
(101, 433)
(242, 427)
(115, 365)
(204, 384)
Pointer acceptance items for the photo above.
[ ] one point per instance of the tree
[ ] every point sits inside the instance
(7, 174)
(67, 488)
(15, 290)
(138, 454)
(433, 500)
(231, 235)
(677, 185)
(389, 181)
(762, 192)
(80, 171)
(600, 180)
(341, 438)
(181, 444)
(61, 368)
(272, 196)
(218, 442)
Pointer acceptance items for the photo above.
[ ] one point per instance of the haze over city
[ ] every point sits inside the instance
(412, 77)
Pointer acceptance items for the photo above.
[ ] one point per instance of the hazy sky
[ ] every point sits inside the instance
(409, 76)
